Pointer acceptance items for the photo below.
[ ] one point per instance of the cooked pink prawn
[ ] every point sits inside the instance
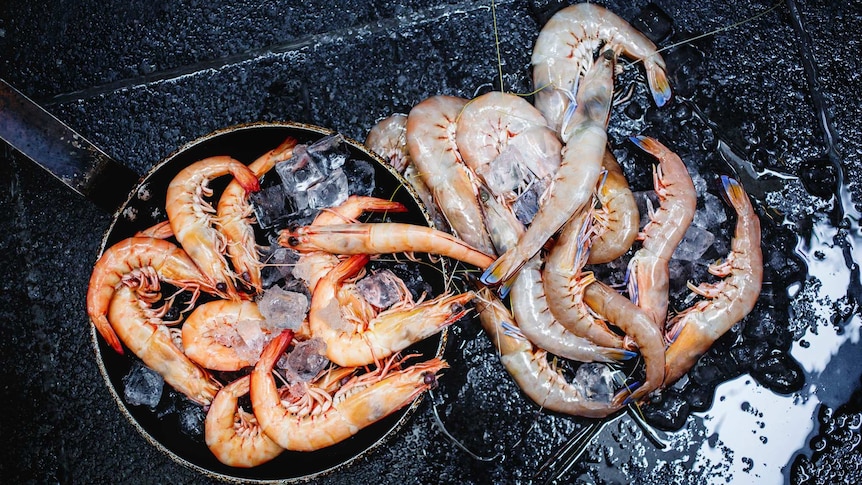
(431, 127)
(381, 238)
(334, 417)
(233, 434)
(564, 283)
(234, 217)
(620, 311)
(388, 138)
(210, 334)
(171, 263)
(528, 365)
(575, 181)
(353, 340)
(564, 52)
(649, 276)
(496, 123)
(618, 218)
(193, 218)
(693, 331)
(139, 327)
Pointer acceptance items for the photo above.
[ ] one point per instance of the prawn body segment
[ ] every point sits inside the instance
(529, 367)
(618, 218)
(649, 274)
(694, 330)
(232, 434)
(359, 341)
(193, 219)
(495, 123)
(171, 264)
(431, 132)
(574, 183)
(338, 415)
(152, 343)
(210, 334)
(564, 52)
(382, 238)
(234, 215)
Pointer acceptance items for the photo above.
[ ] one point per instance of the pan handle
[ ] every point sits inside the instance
(63, 152)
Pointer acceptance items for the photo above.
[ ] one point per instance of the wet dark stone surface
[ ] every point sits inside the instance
(140, 81)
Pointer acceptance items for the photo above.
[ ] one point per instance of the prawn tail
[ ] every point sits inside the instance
(274, 349)
(502, 272)
(659, 84)
(647, 144)
(733, 191)
(617, 355)
(107, 332)
(245, 177)
(627, 395)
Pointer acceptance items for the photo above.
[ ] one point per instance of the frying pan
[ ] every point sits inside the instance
(139, 204)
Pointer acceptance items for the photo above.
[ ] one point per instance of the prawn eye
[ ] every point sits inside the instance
(608, 55)
(484, 196)
(293, 241)
(221, 286)
(429, 379)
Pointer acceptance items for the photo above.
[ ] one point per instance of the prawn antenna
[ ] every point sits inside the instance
(721, 29)
(497, 42)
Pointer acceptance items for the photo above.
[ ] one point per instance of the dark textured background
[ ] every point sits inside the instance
(141, 80)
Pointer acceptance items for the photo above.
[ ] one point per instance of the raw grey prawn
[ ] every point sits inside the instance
(563, 53)
(507, 143)
(728, 301)
(122, 260)
(142, 331)
(618, 218)
(388, 138)
(530, 304)
(210, 336)
(528, 365)
(352, 339)
(620, 311)
(649, 276)
(234, 216)
(333, 417)
(574, 183)
(431, 131)
(381, 238)
(564, 283)
(193, 219)
(233, 434)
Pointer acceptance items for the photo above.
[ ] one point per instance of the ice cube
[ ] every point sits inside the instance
(283, 309)
(504, 175)
(270, 205)
(278, 264)
(191, 420)
(142, 386)
(252, 339)
(330, 152)
(305, 361)
(596, 381)
(360, 177)
(527, 205)
(382, 289)
(300, 172)
(695, 242)
(712, 215)
(329, 192)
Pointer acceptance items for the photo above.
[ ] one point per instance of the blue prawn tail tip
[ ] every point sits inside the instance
(659, 86)
(638, 141)
(733, 190)
(624, 395)
(618, 354)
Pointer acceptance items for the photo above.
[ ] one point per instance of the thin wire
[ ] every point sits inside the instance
(497, 43)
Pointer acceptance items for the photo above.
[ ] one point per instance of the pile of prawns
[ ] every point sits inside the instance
(217, 254)
(447, 148)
